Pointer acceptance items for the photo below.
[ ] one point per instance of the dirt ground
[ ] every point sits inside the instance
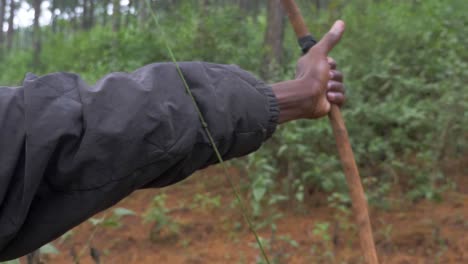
(425, 232)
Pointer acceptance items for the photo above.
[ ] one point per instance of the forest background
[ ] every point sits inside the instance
(406, 68)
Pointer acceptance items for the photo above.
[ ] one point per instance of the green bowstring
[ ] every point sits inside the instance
(208, 133)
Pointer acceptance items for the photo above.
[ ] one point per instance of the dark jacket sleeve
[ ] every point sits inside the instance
(69, 150)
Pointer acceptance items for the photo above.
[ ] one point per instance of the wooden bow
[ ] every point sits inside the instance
(359, 202)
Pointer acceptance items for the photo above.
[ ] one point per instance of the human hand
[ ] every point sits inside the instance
(318, 83)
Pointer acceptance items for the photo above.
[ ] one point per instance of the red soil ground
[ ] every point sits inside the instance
(424, 232)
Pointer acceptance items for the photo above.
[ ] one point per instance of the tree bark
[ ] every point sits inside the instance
(91, 14)
(273, 38)
(74, 17)
(36, 34)
(53, 7)
(249, 6)
(204, 7)
(3, 4)
(243, 4)
(129, 12)
(84, 17)
(116, 15)
(105, 15)
(142, 12)
(11, 26)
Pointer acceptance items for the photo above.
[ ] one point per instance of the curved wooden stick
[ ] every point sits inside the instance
(360, 207)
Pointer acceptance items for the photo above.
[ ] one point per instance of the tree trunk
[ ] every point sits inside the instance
(250, 7)
(91, 14)
(74, 19)
(142, 12)
(11, 26)
(2, 20)
(204, 7)
(243, 4)
(85, 17)
(116, 15)
(202, 34)
(273, 38)
(37, 34)
(129, 12)
(53, 7)
(105, 15)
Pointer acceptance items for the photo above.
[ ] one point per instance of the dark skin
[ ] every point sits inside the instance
(317, 85)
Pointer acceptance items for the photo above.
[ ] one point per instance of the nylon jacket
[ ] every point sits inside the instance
(69, 150)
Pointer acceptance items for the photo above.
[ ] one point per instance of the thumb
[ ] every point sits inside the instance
(332, 38)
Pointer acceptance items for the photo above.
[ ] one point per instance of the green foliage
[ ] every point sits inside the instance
(164, 226)
(321, 230)
(49, 249)
(406, 67)
(114, 220)
(67, 236)
(158, 212)
(323, 251)
(278, 246)
(205, 201)
(261, 181)
(16, 261)
(408, 101)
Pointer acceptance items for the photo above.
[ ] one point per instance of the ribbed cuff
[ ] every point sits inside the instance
(272, 107)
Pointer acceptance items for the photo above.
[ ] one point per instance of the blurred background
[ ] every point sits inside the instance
(406, 68)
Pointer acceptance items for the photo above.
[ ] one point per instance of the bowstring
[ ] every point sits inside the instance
(208, 133)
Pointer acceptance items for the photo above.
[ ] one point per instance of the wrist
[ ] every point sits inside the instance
(289, 101)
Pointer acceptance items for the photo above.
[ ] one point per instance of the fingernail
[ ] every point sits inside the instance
(338, 27)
